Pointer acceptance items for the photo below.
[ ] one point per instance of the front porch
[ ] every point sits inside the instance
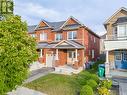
(116, 63)
(69, 53)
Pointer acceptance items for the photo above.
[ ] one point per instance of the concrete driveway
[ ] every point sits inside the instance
(38, 73)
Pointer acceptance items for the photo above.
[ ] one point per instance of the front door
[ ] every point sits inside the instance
(49, 59)
(70, 57)
(121, 59)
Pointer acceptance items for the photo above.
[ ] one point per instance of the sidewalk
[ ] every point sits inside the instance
(25, 91)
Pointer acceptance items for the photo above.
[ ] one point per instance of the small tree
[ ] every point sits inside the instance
(17, 51)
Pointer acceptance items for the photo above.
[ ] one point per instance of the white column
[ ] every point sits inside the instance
(107, 72)
(41, 53)
(57, 58)
(107, 58)
(76, 55)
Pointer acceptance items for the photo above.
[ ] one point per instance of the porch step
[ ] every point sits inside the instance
(67, 70)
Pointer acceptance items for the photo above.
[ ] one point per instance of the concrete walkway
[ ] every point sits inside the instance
(25, 91)
(38, 73)
(122, 82)
(67, 70)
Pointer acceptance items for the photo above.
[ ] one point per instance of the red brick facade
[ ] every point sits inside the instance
(85, 37)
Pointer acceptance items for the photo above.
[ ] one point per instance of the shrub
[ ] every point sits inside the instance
(95, 65)
(106, 83)
(95, 77)
(84, 76)
(92, 83)
(86, 90)
(103, 91)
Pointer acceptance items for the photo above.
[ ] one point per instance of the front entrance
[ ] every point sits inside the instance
(121, 59)
(50, 59)
(71, 57)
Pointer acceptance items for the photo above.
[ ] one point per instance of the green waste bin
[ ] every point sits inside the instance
(101, 70)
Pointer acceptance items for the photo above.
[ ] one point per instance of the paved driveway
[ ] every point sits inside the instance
(122, 82)
(39, 73)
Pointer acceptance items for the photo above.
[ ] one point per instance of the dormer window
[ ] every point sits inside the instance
(72, 35)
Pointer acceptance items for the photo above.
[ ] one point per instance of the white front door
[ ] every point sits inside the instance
(71, 57)
(49, 60)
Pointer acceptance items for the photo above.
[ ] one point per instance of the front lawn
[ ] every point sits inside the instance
(55, 84)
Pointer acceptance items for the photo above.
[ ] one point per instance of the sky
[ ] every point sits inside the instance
(92, 13)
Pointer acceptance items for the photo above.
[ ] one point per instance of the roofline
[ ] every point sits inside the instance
(44, 22)
(122, 8)
(92, 32)
(71, 17)
(66, 42)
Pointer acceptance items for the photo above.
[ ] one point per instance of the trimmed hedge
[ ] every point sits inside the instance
(86, 90)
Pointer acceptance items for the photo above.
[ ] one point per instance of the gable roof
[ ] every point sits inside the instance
(56, 25)
(71, 17)
(31, 29)
(70, 44)
(122, 8)
(44, 27)
(61, 25)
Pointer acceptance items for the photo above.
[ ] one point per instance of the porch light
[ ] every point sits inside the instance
(6, 7)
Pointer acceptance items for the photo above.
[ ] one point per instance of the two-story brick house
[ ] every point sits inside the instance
(116, 40)
(65, 43)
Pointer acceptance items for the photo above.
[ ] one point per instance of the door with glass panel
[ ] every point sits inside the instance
(124, 60)
(70, 57)
(121, 59)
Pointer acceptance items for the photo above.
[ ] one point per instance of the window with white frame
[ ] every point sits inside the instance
(122, 30)
(58, 37)
(93, 53)
(72, 35)
(43, 36)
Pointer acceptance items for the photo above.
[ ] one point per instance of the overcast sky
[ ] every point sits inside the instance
(92, 13)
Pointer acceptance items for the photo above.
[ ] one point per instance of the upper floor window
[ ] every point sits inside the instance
(93, 52)
(43, 36)
(122, 30)
(33, 35)
(72, 35)
(58, 37)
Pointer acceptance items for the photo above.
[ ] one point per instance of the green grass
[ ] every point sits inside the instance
(55, 84)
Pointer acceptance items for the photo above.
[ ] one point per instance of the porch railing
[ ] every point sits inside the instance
(116, 37)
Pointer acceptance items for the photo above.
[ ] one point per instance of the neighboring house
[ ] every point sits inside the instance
(102, 48)
(65, 43)
(116, 40)
(102, 39)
